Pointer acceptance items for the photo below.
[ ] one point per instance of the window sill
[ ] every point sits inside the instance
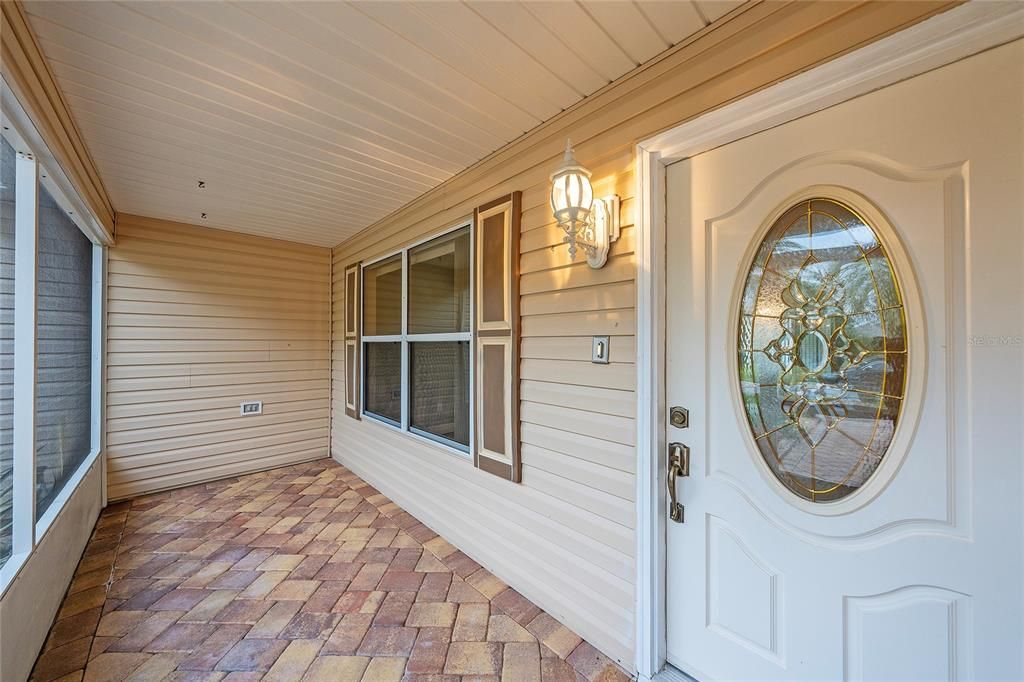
(10, 570)
(387, 424)
(69, 489)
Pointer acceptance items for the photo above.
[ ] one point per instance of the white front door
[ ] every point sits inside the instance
(845, 325)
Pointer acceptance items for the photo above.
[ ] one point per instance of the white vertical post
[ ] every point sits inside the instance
(650, 416)
(330, 364)
(472, 339)
(26, 238)
(99, 263)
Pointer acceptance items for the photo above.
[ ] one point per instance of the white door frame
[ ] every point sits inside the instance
(940, 40)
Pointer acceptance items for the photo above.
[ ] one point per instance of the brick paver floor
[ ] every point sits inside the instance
(299, 573)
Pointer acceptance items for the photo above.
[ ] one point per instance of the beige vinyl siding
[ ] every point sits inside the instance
(565, 536)
(573, 514)
(199, 320)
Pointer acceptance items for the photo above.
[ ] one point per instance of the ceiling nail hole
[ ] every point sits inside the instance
(202, 184)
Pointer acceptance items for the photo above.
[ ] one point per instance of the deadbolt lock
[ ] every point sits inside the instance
(679, 417)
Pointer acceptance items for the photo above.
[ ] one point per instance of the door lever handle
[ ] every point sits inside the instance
(678, 465)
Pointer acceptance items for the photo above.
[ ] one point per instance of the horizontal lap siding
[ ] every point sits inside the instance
(199, 320)
(573, 513)
(565, 537)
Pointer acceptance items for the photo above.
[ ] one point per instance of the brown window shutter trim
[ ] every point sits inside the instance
(352, 339)
(516, 475)
(493, 300)
(500, 469)
(497, 339)
(493, 390)
(350, 302)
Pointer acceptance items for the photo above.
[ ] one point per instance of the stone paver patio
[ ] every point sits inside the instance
(299, 573)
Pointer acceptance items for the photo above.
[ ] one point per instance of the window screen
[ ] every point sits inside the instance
(7, 173)
(64, 371)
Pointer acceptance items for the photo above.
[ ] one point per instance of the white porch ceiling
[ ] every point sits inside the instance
(309, 121)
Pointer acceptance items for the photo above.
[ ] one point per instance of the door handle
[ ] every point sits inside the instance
(678, 465)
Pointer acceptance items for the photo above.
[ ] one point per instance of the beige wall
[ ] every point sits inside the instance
(565, 536)
(199, 320)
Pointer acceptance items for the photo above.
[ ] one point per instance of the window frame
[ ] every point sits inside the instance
(406, 339)
(34, 162)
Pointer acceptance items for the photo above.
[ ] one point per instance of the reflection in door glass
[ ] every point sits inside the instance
(822, 350)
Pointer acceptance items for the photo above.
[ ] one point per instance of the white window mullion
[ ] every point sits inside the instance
(26, 240)
(471, 337)
(405, 385)
(446, 336)
(99, 268)
(386, 338)
(405, 342)
(361, 385)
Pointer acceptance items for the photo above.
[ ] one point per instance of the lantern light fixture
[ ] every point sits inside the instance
(590, 223)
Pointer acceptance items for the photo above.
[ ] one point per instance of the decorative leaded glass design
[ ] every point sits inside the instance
(822, 350)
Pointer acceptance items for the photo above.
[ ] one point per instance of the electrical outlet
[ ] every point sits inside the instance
(251, 407)
(599, 350)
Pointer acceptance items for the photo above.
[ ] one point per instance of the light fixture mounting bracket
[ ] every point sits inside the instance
(605, 218)
(598, 232)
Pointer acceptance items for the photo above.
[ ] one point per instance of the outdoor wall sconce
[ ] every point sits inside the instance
(589, 223)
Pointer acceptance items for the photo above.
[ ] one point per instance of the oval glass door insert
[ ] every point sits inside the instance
(822, 350)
